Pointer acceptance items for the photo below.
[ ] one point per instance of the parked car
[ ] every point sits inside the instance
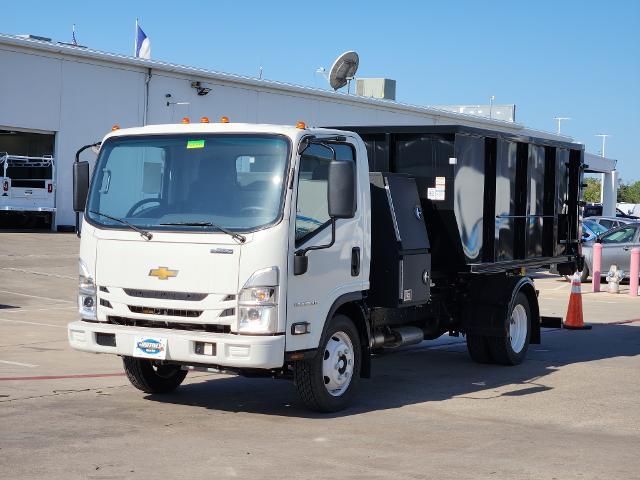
(616, 249)
(612, 222)
(591, 229)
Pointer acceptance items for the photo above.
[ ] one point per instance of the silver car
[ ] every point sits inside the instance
(611, 222)
(616, 249)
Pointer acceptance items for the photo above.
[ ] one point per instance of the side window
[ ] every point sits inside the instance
(312, 209)
(623, 235)
(606, 223)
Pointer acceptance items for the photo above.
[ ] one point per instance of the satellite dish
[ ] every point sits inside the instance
(343, 70)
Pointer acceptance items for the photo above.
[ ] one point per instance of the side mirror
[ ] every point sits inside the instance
(341, 191)
(80, 185)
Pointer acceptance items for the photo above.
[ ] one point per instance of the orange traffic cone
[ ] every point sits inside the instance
(574, 320)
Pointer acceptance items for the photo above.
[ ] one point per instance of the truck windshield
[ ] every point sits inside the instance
(193, 183)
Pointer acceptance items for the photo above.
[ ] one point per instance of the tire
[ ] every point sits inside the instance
(322, 386)
(151, 378)
(584, 275)
(478, 348)
(511, 349)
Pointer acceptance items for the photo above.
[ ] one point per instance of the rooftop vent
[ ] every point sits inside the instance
(382, 88)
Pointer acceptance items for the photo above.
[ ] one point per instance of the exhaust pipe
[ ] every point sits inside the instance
(398, 337)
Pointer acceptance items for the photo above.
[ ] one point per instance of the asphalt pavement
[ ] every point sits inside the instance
(570, 411)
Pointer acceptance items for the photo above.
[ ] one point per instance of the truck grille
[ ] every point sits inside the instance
(169, 312)
(135, 322)
(164, 295)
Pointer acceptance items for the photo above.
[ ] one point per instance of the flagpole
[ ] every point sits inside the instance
(135, 40)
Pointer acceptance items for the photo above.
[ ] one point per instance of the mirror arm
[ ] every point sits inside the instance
(96, 144)
(302, 252)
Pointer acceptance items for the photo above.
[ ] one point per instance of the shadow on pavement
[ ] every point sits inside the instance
(420, 374)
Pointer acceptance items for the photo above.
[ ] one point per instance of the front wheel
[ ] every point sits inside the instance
(511, 349)
(327, 382)
(150, 377)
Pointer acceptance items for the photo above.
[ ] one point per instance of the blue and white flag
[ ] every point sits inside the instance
(143, 44)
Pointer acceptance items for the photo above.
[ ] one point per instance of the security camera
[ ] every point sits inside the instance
(202, 91)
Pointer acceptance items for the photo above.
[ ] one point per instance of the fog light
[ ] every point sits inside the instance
(87, 302)
(204, 348)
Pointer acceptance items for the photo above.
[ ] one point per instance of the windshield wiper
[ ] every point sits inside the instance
(143, 233)
(237, 236)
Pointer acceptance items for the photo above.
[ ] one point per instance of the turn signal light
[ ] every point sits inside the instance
(5, 185)
(50, 187)
(224, 119)
(204, 120)
(185, 120)
(301, 125)
(115, 127)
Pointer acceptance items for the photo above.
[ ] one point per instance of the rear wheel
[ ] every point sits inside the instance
(150, 377)
(511, 349)
(328, 382)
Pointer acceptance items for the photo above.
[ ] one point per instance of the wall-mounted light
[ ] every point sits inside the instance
(202, 91)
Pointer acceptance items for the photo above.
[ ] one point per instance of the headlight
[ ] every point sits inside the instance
(257, 310)
(86, 293)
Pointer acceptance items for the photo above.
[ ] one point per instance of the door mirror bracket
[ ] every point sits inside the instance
(300, 259)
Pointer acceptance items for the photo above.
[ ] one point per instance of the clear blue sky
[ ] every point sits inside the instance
(578, 59)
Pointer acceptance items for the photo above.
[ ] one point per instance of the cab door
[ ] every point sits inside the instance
(332, 271)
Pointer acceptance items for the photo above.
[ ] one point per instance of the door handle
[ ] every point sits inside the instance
(355, 261)
(626, 249)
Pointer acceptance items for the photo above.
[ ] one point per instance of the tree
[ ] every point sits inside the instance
(629, 192)
(592, 191)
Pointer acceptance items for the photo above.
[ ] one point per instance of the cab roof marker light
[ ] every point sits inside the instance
(115, 127)
(186, 120)
(204, 120)
(224, 119)
(301, 125)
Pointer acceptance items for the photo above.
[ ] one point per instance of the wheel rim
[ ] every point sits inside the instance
(337, 364)
(518, 328)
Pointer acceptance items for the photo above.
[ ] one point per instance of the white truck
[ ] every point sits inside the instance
(273, 250)
(27, 185)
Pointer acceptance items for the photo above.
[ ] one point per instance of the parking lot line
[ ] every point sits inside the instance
(36, 296)
(27, 310)
(59, 377)
(33, 272)
(18, 363)
(32, 323)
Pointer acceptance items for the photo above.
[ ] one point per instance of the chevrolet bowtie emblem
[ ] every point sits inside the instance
(163, 273)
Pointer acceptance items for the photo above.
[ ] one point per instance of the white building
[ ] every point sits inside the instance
(74, 95)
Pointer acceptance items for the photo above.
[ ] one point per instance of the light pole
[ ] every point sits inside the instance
(559, 120)
(491, 99)
(604, 140)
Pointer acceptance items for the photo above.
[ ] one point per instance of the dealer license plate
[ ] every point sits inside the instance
(150, 347)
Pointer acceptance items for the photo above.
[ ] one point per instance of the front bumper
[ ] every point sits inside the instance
(239, 351)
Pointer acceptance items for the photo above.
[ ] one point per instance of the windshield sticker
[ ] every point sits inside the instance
(195, 144)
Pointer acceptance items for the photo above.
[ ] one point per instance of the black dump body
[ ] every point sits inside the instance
(492, 201)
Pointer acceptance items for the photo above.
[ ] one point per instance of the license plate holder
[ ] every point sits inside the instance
(150, 347)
